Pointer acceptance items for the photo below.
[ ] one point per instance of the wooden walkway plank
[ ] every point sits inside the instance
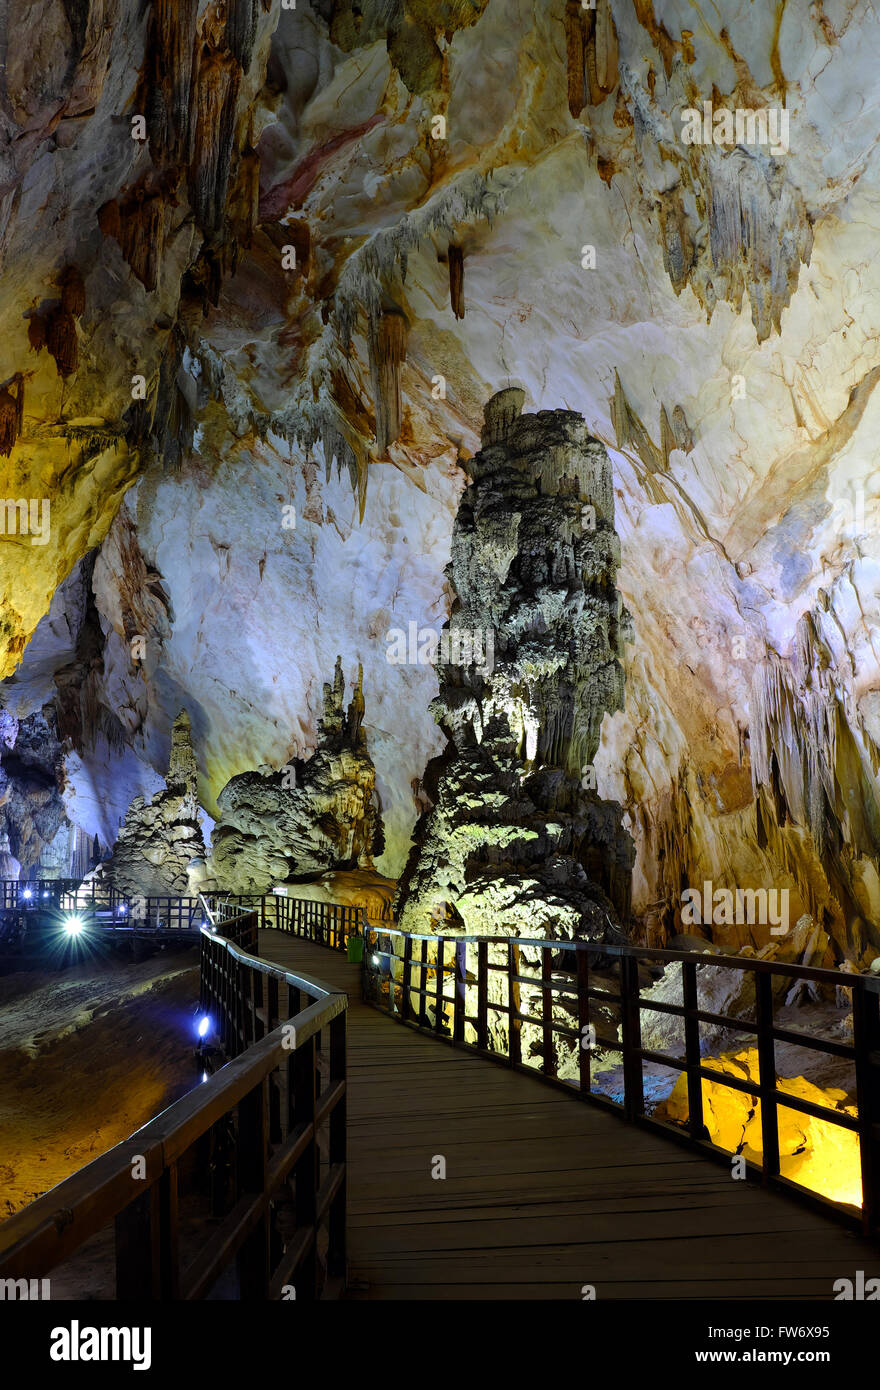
(543, 1194)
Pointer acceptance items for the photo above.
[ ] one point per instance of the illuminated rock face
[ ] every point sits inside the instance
(529, 664)
(816, 1153)
(160, 844)
(308, 817)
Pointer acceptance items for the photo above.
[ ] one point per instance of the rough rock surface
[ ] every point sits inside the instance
(10, 868)
(160, 846)
(277, 825)
(530, 663)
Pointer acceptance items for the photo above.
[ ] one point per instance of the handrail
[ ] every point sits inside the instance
(252, 1131)
(454, 986)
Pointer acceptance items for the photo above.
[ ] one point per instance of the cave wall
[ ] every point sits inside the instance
(710, 310)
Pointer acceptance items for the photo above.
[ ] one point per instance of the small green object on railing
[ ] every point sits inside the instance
(355, 949)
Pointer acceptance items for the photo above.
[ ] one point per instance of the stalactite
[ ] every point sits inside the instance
(456, 281)
(11, 414)
(73, 291)
(216, 97)
(62, 342)
(138, 224)
(388, 351)
(591, 54)
(575, 51)
(36, 331)
(241, 29)
(170, 49)
(244, 202)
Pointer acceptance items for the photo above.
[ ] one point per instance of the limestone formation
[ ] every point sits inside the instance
(307, 817)
(518, 840)
(161, 837)
(10, 868)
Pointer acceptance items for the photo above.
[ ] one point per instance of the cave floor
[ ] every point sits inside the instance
(543, 1195)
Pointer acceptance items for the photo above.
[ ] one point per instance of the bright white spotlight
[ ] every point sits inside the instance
(376, 960)
(27, 894)
(204, 1025)
(73, 926)
(45, 892)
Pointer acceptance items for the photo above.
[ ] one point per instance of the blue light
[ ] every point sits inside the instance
(73, 926)
(204, 1025)
(27, 893)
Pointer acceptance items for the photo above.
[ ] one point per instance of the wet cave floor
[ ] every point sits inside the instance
(88, 1054)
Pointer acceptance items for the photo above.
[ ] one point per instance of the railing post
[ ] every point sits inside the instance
(169, 1254)
(438, 996)
(460, 1001)
(584, 1044)
(407, 967)
(306, 1171)
(692, 1051)
(514, 1026)
(253, 1257)
(548, 1052)
(423, 984)
(767, 1076)
(866, 1040)
(483, 995)
(138, 1249)
(336, 1248)
(631, 1032)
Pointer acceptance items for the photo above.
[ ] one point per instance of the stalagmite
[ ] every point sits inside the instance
(160, 838)
(517, 838)
(309, 816)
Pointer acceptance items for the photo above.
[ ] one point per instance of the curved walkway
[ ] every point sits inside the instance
(542, 1195)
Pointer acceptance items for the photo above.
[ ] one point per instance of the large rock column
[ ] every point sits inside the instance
(517, 839)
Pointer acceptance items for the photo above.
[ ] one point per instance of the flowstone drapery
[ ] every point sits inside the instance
(517, 840)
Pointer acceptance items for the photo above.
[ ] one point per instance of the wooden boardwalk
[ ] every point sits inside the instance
(543, 1194)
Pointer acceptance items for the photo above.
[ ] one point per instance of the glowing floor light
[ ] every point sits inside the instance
(74, 926)
(204, 1025)
(27, 894)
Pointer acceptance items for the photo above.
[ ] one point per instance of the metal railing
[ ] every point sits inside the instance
(531, 1004)
(239, 1188)
(327, 924)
